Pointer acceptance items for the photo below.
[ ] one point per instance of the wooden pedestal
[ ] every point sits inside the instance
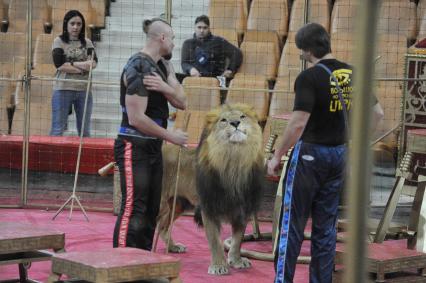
(391, 257)
(115, 265)
(22, 244)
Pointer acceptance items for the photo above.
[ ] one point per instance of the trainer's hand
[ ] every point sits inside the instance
(194, 73)
(273, 164)
(155, 82)
(179, 137)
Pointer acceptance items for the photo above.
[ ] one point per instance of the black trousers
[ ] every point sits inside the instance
(141, 170)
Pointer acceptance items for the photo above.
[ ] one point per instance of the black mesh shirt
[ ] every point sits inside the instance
(138, 66)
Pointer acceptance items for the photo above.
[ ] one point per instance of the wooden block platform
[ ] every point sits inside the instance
(400, 277)
(391, 257)
(25, 243)
(115, 265)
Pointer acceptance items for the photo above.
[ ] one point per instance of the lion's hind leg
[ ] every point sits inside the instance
(218, 265)
(234, 255)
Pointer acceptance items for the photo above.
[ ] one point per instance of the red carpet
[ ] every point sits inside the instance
(97, 234)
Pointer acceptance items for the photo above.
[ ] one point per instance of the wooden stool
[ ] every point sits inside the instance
(115, 265)
(389, 257)
(22, 244)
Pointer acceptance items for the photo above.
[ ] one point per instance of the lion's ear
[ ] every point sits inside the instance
(211, 117)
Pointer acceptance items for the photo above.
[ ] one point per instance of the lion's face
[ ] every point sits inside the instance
(233, 126)
(233, 137)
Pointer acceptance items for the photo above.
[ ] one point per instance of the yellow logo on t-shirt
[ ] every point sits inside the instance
(344, 78)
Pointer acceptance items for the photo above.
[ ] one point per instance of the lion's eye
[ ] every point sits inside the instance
(242, 116)
(223, 120)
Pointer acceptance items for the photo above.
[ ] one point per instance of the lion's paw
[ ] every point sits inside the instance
(177, 248)
(239, 263)
(218, 269)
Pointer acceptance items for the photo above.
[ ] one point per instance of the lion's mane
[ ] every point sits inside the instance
(230, 174)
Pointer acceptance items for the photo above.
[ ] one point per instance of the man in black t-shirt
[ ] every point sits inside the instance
(315, 174)
(148, 83)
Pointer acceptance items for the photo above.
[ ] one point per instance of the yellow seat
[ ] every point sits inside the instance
(17, 15)
(199, 96)
(99, 12)
(43, 50)
(269, 15)
(290, 57)
(342, 45)
(12, 63)
(282, 101)
(230, 35)
(2, 12)
(392, 49)
(421, 19)
(264, 36)
(228, 14)
(343, 16)
(318, 12)
(195, 124)
(259, 59)
(397, 17)
(251, 90)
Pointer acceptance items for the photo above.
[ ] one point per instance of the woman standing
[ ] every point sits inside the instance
(72, 54)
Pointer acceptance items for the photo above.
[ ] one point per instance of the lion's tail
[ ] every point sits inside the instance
(198, 219)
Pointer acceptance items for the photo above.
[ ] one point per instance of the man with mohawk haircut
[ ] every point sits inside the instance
(148, 84)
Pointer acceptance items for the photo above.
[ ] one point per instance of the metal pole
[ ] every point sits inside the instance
(27, 91)
(303, 63)
(168, 12)
(359, 156)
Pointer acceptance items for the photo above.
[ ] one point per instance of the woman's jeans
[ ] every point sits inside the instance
(61, 104)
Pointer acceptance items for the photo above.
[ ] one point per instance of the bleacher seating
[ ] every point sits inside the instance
(421, 19)
(392, 49)
(343, 16)
(12, 63)
(230, 35)
(290, 57)
(43, 50)
(288, 69)
(319, 11)
(269, 15)
(17, 15)
(228, 14)
(199, 96)
(260, 59)
(397, 17)
(99, 12)
(261, 27)
(195, 124)
(264, 36)
(342, 45)
(2, 12)
(282, 101)
(251, 90)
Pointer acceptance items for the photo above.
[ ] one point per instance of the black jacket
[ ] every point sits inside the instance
(209, 55)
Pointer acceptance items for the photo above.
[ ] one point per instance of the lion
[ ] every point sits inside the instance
(229, 174)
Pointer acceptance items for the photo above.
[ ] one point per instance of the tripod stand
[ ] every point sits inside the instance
(73, 196)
